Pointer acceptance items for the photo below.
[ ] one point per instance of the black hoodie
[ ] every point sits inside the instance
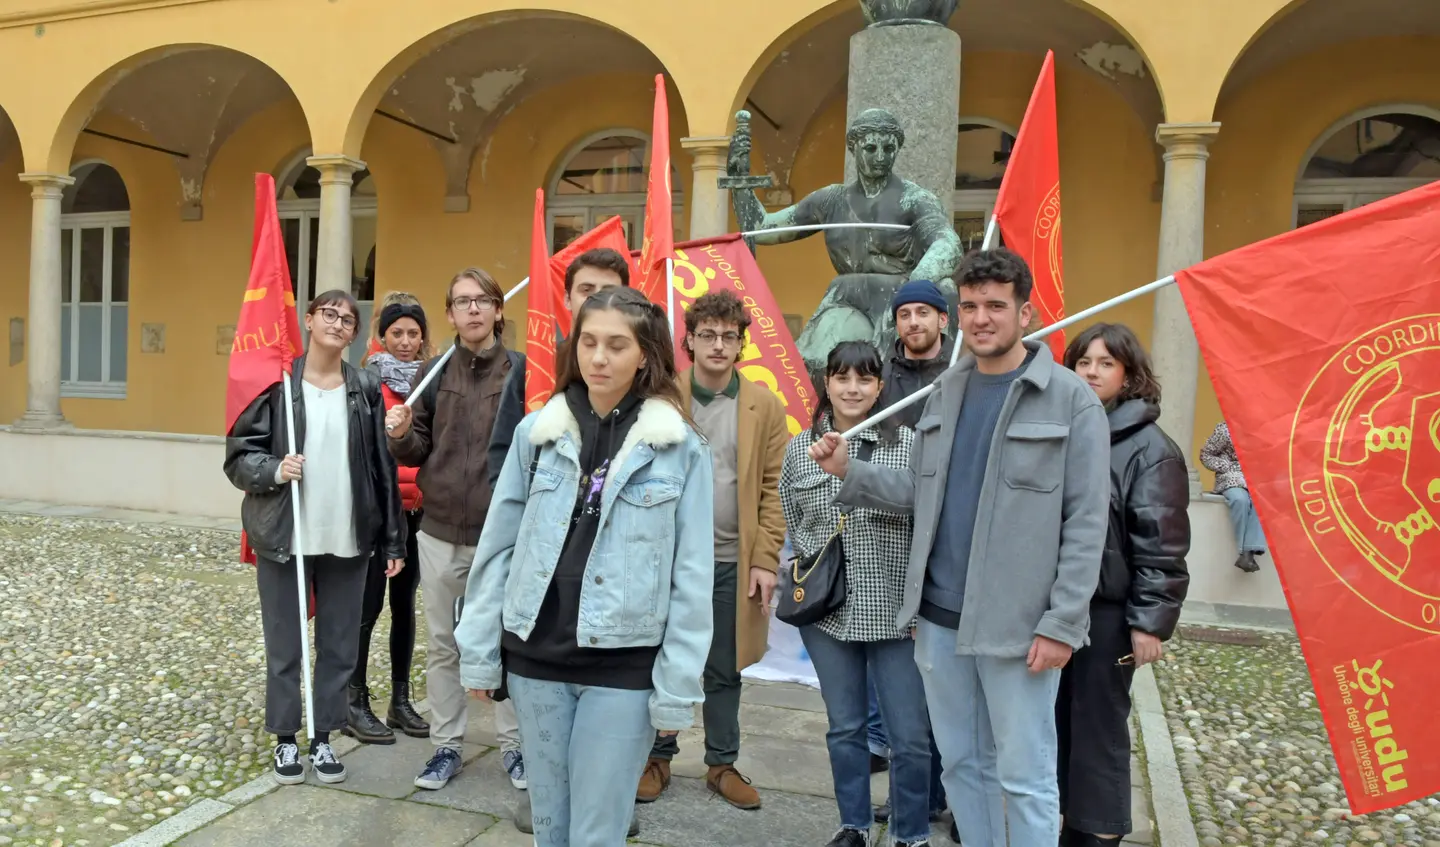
(552, 652)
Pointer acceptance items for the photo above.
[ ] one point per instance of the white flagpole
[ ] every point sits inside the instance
(992, 235)
(1148, 288)
(820, 227)
(300, 585)
(670, 296)
(445, 357)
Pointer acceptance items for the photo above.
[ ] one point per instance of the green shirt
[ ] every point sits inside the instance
(704, 396)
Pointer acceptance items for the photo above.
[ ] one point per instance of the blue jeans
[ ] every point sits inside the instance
(880, 746)
(585, 749)
(874, 729)
(841, 667)
(996, 733)
(1244, 521)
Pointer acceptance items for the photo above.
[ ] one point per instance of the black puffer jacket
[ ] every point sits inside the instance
(1144, 562)
(258, 442)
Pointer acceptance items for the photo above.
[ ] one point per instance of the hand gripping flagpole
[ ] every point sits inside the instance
(445, 357)
(919, 396)
(301, 586)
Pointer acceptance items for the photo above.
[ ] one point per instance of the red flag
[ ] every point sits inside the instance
(1334, 410)
(1028, 205)
(769, 357)
(609, 234)
(659, 243)
(540, 318)
(267, 335)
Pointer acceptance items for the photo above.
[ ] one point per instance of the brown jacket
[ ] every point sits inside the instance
(762, 436)
(449, 443)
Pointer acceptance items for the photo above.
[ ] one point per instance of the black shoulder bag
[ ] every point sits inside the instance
(817, 581)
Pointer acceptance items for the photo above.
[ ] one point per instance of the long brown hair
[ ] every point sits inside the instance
(651, 328)
(1125, 348)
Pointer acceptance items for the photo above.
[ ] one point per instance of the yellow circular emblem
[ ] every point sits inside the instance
(799, 594)
(1365, 468)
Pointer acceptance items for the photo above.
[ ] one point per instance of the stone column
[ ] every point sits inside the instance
(42, 347)
(335, 261)
(913, 71)
(709, 203)
(1182, 244)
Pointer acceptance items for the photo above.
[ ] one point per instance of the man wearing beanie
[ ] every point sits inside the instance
(922, 350)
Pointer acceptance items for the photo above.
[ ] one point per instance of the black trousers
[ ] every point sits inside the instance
(402, 608)
(1092, 714)
(339, 589)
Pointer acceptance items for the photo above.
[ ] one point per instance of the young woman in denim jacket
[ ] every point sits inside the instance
(863, 633)
(593, 574)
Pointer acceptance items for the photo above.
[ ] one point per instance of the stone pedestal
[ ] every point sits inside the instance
(42, 353)
(334, 255)
(914, 72)
(709, 203)
(1182, 244)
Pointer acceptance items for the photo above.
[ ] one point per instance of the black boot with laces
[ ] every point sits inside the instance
(361, 723)
(402, 714)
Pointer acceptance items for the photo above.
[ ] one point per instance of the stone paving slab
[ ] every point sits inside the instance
(308, 815)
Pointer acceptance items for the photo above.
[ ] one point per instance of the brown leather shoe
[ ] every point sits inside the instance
(733, 787)
(653, 781)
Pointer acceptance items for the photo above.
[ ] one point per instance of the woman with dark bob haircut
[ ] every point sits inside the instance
(350, 509)
(862, 636)
(1143, 581)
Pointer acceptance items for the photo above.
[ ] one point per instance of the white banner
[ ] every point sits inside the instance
(786, 660)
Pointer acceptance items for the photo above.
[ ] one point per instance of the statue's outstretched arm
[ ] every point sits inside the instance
(935, 230)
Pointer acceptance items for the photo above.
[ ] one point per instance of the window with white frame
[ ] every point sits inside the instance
(1365, 157)
(94, 283)
(604, 175)
(982, 151)
(299, 205)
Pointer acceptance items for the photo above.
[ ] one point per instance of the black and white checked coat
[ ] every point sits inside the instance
(877, 543)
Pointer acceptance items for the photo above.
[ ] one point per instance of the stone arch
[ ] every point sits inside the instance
(586, 212)
(222, 86)
(437, 87)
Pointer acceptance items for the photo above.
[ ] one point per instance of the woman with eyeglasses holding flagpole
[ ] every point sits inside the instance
(349, 508)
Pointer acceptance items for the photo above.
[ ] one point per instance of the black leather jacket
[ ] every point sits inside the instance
(258, 442)
(1144, 561)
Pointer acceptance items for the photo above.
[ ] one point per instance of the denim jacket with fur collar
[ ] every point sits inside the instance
(650, 574)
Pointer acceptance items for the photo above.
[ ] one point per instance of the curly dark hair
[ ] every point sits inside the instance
(998, 265)
(1125, 348)
(722, 306)
(601, 258)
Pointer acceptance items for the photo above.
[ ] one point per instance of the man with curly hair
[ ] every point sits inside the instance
(745, 426)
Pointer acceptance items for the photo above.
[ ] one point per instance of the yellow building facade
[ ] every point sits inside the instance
(407, 140)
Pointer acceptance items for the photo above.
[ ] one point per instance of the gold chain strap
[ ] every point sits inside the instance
(795, 576)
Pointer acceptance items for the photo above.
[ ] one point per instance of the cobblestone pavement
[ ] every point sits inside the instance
(1254, 755)
(131, 676)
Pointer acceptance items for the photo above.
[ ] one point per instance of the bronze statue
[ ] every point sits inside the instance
(871, 263)
(902, 12)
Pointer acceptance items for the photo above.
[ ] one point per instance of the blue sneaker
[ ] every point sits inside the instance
(515, 767)
(441, 768)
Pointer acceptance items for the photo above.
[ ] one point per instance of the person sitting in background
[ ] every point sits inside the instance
(1218, 455)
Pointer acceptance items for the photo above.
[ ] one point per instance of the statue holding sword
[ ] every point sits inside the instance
(871, 262)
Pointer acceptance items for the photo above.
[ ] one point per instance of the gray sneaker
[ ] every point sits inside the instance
(442, 767)
(324, 764)
(515, 768)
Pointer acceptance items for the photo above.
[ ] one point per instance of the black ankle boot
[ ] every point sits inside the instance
(402, 714)
(362, 724)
